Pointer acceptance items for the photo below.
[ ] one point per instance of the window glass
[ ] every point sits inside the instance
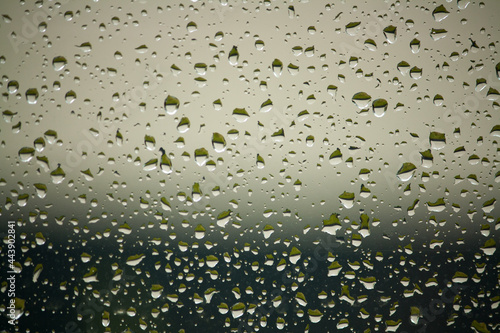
(245, 166)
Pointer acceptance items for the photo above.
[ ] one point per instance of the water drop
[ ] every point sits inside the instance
(403, 67)
(361, 99)
(315, 316)
(336, 157)
(199, 232)
(41, 190)
(50, 136)
(19, 303)
(200, 156)
(184, 125)
(379, 107)
(462, 4)
(260, 162)
(218, 142)
(347, 199)
(406, 172)
(440, 13)
(437, 140)
(427, 158)
(39, 144)
(196, 193)
(415, 45)
(437, 206)
(416, 73)
(233, 56)
(390, 34)
(12, 87)
(70, 97)
(171, 104)
(141, 49)
(437, 34)
(495, 131)
(32, 95)
(237, 310)
(58, 63)
(489, 247)
(241, 115)
(26, 154)
(352, 28)
(371, 45)
(191, 27)
(277, 67)
(200, 68)
(58, 175)
(85, 47)
(266, 106)
(259, 45)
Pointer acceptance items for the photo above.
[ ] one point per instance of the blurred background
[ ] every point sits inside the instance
(251, 165)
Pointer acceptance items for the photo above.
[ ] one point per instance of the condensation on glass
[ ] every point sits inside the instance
(245, 166)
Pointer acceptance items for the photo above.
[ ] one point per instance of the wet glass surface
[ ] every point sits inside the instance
(250, 166)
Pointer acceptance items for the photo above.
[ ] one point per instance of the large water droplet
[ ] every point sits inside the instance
(200, 156)
(241, 115)
(336, 157)
(141, 49)
(39, 144)
(171, 104)
(406, 172)
(379, 107)
(233, 56)
(361, 99)
(218, 142)
(191, 27)
(12, 87)
(347, 199)
(165, 162)
(416, 73)
(149, 142)
(184, 125)
(277, 67)
(415, 45)
(260, 162)
(266, 106)
(70, 97)
(41, 190)
(58, 175)
(352, 28)
(50, 136)
(59, 63)
(390, 34)
(150, 165)
(32, 95)
(26, 154)
(85, 47)
(440, 13)
(437, 140)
